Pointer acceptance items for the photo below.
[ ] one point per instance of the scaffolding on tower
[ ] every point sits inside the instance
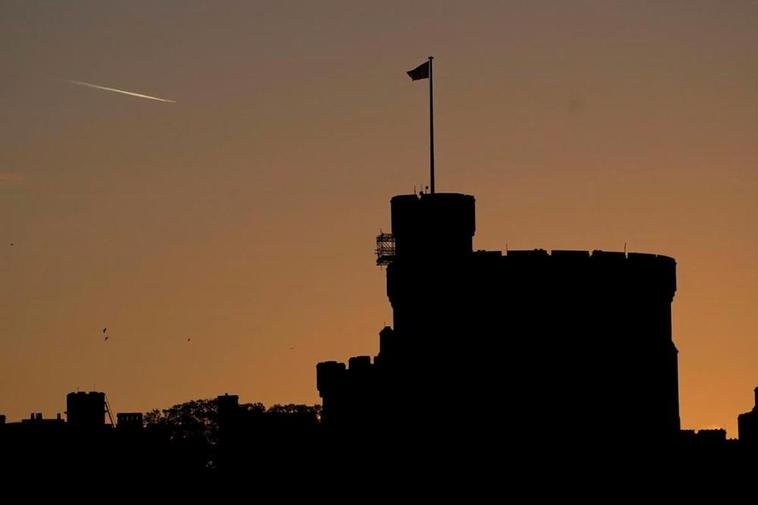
(385, 249)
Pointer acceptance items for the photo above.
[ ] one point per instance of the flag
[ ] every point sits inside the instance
(420, 72)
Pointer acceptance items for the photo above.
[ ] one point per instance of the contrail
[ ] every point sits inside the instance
(104, 88)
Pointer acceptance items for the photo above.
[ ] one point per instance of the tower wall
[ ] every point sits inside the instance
(85, 409)
(569, 341)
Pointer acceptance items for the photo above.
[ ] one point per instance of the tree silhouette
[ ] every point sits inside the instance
(186, 421)
(203, 439)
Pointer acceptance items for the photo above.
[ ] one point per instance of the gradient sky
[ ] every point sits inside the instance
(243, 216)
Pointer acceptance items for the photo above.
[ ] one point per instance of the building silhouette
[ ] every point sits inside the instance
(559, 347)
(132, 421)
(85, 410)
(747, 425)
(526, 360)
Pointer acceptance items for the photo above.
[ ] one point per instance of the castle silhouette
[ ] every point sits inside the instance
(531, 354)
(572, 339)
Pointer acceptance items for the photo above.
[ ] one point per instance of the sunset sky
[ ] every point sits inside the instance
(243, 215)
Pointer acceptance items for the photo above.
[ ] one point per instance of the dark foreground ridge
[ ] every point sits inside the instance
(526, 360)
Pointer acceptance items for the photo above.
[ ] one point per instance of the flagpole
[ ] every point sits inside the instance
(431, 125)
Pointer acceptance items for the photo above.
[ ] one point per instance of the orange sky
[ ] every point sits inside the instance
(243, 215)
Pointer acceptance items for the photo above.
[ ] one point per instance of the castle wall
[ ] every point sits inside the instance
(564, 342)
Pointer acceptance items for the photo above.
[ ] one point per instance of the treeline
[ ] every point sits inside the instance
(218, 433)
